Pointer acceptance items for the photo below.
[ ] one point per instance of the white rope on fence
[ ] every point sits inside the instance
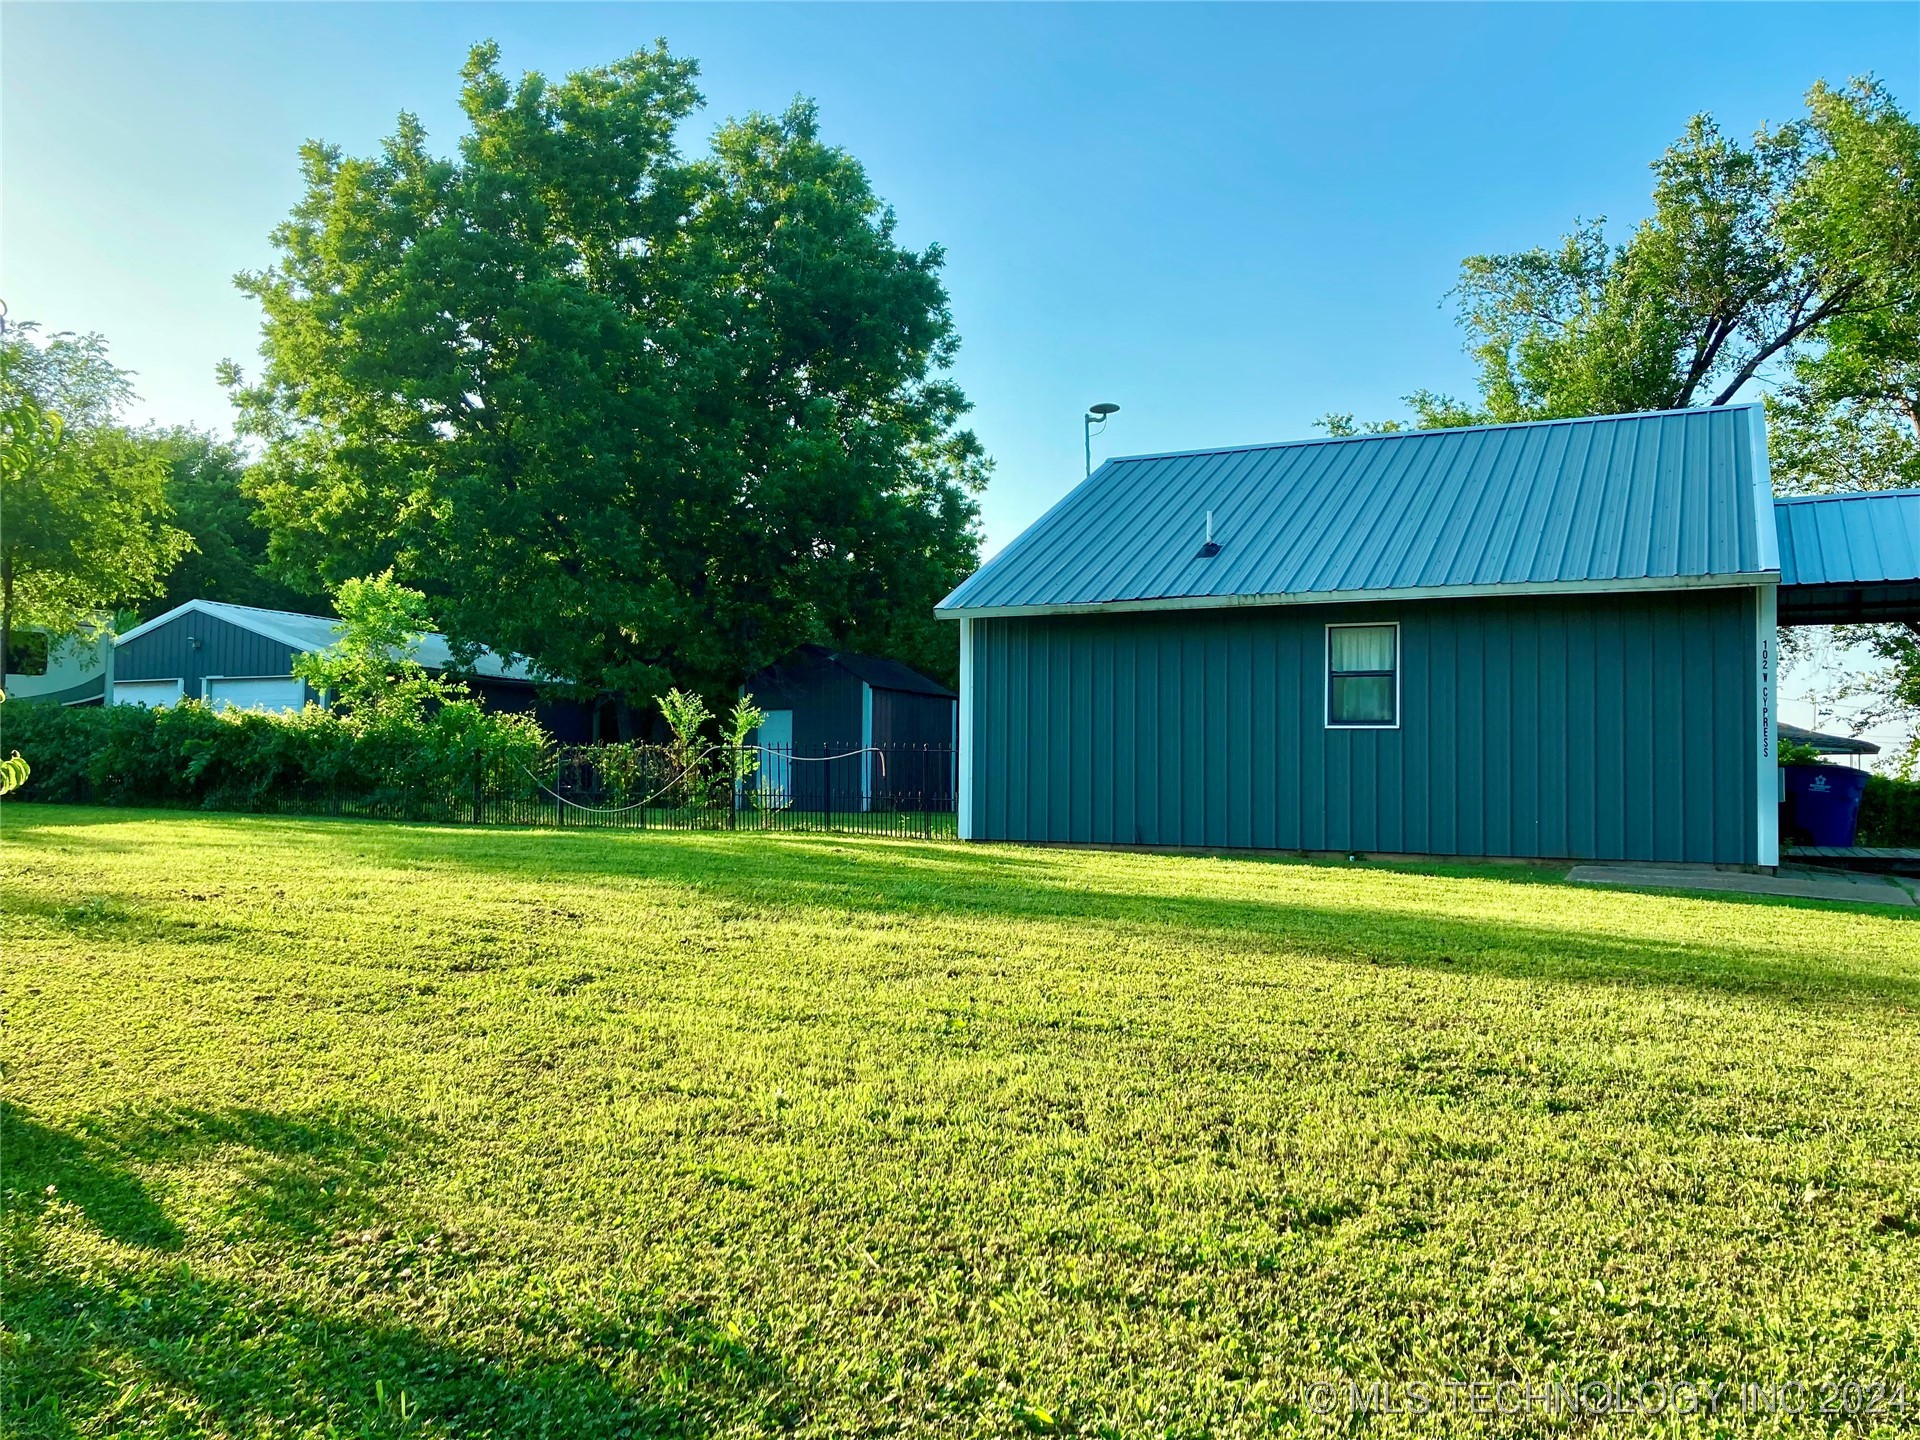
(697, 761)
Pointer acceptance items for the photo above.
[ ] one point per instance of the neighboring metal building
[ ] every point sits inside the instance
(1827, 744)
(239, 656)
(1480, 641)
(822, 703)
(48, 669)
(1849, 559)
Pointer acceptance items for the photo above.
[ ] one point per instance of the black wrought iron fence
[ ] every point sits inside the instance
(854, 789)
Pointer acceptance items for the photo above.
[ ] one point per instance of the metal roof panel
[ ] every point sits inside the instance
(1620, 498)
(1850, 539)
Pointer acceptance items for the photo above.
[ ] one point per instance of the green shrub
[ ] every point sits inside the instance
(421, 762)
(1889, 812)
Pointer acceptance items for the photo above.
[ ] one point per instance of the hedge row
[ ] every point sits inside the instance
(1890, 812)
(395, 761)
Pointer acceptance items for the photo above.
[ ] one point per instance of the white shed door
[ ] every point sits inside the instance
(150, 693)
(277, 695)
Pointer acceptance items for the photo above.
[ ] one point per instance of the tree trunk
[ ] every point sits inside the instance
(628, 718)
(6, 616)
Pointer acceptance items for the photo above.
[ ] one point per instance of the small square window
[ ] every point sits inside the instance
(1363, 676)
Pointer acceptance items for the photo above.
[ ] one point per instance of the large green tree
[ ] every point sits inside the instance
(1753, 257)
(82, 501)
(645, 419)
(204, 491)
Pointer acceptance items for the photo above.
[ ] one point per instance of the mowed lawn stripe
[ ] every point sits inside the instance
(356, 1128)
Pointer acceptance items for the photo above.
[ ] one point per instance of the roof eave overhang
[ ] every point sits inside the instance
(1738, 580)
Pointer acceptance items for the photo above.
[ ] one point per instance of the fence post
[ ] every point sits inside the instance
(826, 822)
(733, 789)
(479, 791)
(559, 805)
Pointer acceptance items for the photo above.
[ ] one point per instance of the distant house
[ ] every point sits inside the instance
(1825, 744)
(238, 656)
(847, 731)
(44, 669)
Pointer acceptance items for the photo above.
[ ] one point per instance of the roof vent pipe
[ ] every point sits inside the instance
(1209, 549)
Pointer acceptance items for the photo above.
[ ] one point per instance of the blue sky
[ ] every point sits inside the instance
(1227, 219)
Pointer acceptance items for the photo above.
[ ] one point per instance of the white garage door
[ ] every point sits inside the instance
(149, 693)
(256, 693)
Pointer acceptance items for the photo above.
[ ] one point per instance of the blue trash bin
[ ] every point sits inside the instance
(1824, 801)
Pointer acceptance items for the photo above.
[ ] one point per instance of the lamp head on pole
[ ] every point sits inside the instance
(1096, 415)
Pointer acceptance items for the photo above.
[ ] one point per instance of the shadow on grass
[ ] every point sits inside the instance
(181, 1354)
(40, 1165)
(834, 875)
(851, 876)
(154, 1345)
(299, 1175)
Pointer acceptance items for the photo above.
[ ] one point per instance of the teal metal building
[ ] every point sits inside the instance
(1552, 640)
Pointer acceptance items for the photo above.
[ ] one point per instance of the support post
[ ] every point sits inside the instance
(963, 802)
(1767, 780)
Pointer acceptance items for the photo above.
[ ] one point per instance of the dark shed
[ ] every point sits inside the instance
(847, 731)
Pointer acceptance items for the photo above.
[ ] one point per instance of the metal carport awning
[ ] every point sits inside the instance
(1849, 559)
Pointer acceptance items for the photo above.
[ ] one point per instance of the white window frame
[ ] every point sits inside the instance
(1326, 670)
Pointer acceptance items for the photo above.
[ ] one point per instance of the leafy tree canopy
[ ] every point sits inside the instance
(645, 419)
(84, 500)
(1804, 243)
(229, 557)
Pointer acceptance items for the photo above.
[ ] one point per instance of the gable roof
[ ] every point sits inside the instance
(1851, 539)
(1656, 500)
(307, 633)
(884, 674)
(875, 670)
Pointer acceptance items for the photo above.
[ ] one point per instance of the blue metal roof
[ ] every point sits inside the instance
(305, 633)
(1849, 539)
(1625, 501)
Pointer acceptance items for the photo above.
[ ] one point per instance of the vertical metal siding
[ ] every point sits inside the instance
(167, 651)
(1551, 727)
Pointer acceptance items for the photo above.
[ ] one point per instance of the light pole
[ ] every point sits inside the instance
(1096, 415)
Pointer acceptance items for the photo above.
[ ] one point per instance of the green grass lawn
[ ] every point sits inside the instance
(329, 1128)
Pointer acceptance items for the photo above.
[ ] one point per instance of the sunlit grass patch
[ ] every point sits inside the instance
(331, 1128)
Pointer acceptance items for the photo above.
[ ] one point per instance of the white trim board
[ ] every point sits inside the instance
(1766, 685)
(866, 746)
(964, 802)
(1737, 581)
(251, 622)
(1763, 502)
